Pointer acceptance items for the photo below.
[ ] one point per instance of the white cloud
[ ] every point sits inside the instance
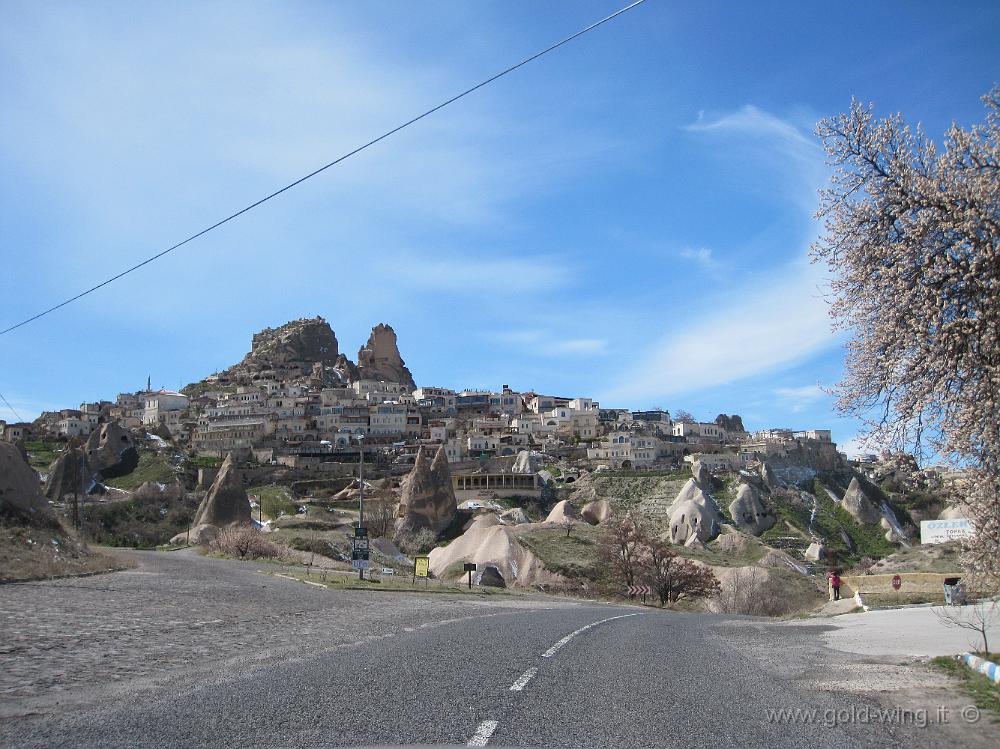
(770, 324)
(799, 398)
(703, 256)
(764, 322)
(544, 342)
(579, 346)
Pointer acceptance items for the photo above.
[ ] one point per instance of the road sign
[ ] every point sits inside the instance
(388, 571)
(359, 554)
(470, 567)
(940, 531)
(421, 566)
(897, 581)
(639, 590)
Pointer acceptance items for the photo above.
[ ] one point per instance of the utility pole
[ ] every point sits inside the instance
(361, 493)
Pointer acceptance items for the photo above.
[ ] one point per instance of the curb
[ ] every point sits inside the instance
(988, 668)
(22, 580)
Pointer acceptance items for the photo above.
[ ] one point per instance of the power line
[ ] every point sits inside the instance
(12, 410)
(323, 168)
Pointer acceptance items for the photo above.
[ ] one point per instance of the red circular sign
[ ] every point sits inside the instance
(896, 581)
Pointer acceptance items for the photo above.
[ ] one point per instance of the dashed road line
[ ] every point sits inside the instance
(555, 648)
(522, 682)
(482, 735)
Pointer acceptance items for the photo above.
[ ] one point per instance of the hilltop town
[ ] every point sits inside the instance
(292, 437)
(295, 398)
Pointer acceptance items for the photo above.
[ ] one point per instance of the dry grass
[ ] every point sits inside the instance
(31, 553)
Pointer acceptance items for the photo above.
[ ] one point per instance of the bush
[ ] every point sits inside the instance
(415, 542)
(245, 543)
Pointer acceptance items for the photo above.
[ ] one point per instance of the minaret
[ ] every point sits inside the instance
(149, 384)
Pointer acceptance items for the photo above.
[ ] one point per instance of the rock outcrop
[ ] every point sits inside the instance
(111, 452)
(379, 359)
(596, 512)
(692, 523)
(296, 344)
(859, 505)
(525, 462)
(21, 497)
(702, 476)
(815, 552)
(562, 512)
(515, 516)
(69, 474)
(767, 476)
(749, 513)
(490, 577)
(488, 544)
(690, 492)
(427, 498)
(226, 505)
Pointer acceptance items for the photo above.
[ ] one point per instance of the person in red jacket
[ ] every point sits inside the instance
(835, 584)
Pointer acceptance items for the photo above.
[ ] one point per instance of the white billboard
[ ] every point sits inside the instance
(939, 531)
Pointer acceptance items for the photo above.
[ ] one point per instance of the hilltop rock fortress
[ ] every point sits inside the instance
(226, 505)
(379, 359)
(309, 348)
(296, 345)
(427, 497)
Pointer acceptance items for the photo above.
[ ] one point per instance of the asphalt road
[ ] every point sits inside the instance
(432, 670)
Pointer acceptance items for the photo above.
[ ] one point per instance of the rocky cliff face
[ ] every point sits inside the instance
(427, 497)
(20, 495)
(297, 344)
(225, 505)
(379, 359)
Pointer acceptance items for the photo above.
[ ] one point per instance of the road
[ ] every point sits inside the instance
(913, 631)
(186, 651)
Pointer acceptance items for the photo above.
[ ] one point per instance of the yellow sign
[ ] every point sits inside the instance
(421, 566)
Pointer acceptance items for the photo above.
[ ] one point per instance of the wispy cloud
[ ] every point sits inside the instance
(799, 398)
(703, 256)
(543, 342)
(765, 321)
(579, 346)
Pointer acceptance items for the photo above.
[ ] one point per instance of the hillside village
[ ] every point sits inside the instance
(518, 482)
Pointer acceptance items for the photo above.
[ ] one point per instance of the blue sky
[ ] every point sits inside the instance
(627, 218)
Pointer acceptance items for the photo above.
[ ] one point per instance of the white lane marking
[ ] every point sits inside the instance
(482, 735)
(522, 682)
(555, 648)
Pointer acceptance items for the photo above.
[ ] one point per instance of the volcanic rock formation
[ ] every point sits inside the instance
(21, 497)
(427, 498)
(859, 505)
(225, 505)
(749, 513)
(69, 474)
(296, 345)
(379, 359)
(596, 512)
(111, 452)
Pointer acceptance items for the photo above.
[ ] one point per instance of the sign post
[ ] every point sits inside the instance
(359, 551)
(470, 567)
(897, 583)
(421, 568)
